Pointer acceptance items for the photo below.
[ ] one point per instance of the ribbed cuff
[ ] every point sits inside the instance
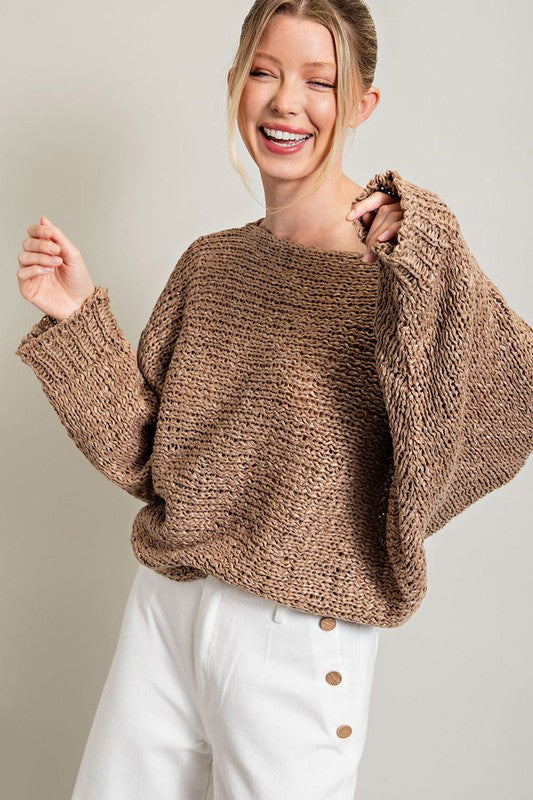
(427, 231)
(56, 350)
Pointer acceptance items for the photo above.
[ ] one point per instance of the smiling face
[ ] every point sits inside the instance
(288, 88)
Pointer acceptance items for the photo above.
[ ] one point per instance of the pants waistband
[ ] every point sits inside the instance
(279, 611)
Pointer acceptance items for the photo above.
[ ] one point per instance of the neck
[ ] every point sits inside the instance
(316, 219)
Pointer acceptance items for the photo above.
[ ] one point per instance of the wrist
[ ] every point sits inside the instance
(76, 307)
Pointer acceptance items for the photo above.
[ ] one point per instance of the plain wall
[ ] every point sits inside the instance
(114, 126)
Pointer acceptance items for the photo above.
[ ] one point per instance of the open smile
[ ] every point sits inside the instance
(284, 145)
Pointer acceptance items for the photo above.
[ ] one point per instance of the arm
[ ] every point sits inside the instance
(455, 364)
(106, 395)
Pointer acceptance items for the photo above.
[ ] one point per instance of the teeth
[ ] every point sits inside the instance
(285, 135)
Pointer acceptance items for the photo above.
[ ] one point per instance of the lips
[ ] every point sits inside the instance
(284, 147)
(293, 141)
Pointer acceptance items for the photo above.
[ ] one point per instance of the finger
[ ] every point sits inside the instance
(367, 218)
(58, 235)
(378, 229)
(390, 233)
(379, 222)
(381, 219)
(27, 258)
(47, 230)
(382, 224)
(23, 273)
(34, 245)
(385, 211)
(371, 203)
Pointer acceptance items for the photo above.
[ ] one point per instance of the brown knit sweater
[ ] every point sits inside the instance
(297, 422)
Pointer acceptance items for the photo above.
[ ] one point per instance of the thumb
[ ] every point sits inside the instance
(58, 236)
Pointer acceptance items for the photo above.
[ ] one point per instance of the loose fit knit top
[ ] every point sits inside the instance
(295, 421)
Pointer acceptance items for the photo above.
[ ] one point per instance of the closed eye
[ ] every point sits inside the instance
(256, 72)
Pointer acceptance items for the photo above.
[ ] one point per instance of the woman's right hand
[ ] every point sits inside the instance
(52, 274)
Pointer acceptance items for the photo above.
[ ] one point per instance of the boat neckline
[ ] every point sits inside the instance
(302, 248)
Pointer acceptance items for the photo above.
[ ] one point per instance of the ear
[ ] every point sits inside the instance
(368, 103)
(230, 74)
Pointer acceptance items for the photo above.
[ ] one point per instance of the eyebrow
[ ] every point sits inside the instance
(307, 64)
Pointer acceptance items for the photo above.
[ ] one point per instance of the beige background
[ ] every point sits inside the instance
(114, 126)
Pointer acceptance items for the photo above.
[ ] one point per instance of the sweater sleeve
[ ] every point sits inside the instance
(107, 395)
(455, 364)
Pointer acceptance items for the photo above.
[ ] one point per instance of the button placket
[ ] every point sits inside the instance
(334, 677)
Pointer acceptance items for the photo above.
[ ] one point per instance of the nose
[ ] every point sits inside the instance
(286, 100)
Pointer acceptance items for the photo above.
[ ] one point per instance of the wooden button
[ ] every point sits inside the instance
(334, 678)
(327, 623)
(343, 731)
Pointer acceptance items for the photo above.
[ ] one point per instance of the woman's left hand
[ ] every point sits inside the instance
(383, 214)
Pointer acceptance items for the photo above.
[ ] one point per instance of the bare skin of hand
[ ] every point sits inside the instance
(383, 214)
(52, 274)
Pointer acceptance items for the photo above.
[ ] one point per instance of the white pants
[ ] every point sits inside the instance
(216, 692)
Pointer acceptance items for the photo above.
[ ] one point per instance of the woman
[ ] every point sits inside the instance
(305, 407)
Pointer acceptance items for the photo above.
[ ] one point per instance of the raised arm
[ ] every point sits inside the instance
(455, 363)
(106, 394)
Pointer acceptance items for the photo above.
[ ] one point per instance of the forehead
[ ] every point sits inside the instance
(298, 43)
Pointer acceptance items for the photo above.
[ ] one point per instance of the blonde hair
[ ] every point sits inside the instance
(354, 34)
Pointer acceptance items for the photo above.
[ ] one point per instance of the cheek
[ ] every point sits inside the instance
(325, 112)
(253, 100)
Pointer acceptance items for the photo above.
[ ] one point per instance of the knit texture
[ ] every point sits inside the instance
(298, 422)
